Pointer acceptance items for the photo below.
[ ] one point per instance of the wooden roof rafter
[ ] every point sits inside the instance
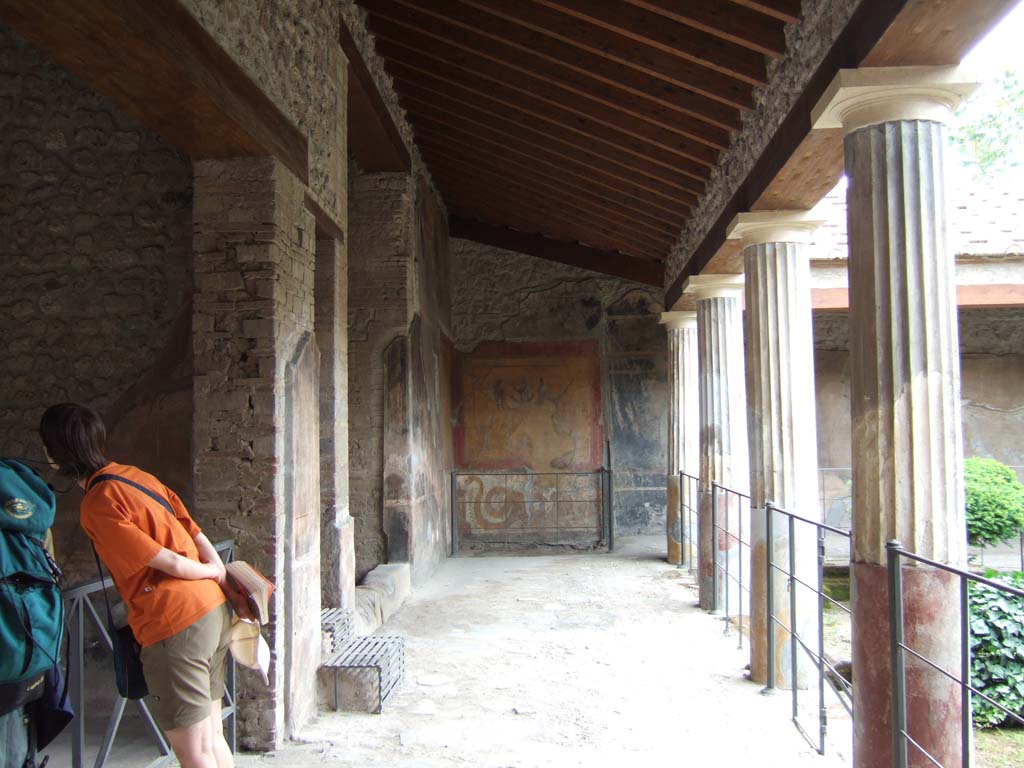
(570, 253)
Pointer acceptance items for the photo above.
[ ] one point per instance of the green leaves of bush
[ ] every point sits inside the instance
(995, 501)
(997, 649)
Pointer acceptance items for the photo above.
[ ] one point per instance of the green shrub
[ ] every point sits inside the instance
(995, 501)
(997, 649)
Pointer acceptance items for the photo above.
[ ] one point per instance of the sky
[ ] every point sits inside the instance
(1000, 50)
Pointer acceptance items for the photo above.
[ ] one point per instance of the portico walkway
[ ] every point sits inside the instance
(575, 660)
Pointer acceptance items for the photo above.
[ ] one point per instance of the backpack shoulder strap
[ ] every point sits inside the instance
(137, 486)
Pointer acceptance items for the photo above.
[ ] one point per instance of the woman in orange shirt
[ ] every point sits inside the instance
(166, 571)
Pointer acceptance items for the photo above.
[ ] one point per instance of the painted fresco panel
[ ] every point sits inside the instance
(530, 406)
(579, 514)
(579, 487)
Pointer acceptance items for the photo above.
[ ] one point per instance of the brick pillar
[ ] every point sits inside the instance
(905, 396)
(683, 423)
(256, 422)
(781, 429)
(723, 424)
(338, 561)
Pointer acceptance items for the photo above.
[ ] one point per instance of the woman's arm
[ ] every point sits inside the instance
(209, 554)
(180, 567)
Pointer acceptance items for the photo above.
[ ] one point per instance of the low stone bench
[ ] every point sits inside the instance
(374, 666)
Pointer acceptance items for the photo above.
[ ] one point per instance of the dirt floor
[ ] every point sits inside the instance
(573, 660)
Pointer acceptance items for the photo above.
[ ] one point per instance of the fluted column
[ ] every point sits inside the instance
(781, 429)
(682, 425)
(723, 424)
(905, 395)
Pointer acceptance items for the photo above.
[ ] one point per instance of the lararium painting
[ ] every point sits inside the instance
(533, 406)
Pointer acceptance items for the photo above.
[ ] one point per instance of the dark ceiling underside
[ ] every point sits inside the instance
(590, 121)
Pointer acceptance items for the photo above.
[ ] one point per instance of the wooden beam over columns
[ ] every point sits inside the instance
(158, 64)
(373, 137)
(574, 254)
(800, 166)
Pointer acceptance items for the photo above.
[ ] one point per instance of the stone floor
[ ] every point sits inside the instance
(574, 660)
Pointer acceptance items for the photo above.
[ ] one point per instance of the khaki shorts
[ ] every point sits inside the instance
(185, 672)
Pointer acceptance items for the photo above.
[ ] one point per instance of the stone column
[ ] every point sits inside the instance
(723, 421)
(683, 424)
(780, 427)
(905, 395)
(256, 421)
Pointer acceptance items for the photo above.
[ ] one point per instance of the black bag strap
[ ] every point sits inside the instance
(103, 584)
(137, 486)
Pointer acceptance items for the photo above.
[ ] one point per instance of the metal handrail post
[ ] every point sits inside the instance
(792, 620)
(822, 713)
(714, 547)
(739, 550)
(455, 523)
(770, 598)
(966, 714)
(896, 656)
(725, 557)
(76, 662)
(682, 525)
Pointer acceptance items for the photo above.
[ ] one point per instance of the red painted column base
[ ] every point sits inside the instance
(932, 621)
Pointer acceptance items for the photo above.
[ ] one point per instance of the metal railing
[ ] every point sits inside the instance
(78, 607)
(827, 673)
(729, 509)
(532, 507)
(902, 739)
(689, 512)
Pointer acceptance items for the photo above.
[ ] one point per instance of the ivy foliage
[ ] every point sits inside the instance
(997, 650)
(995, 502)
(987, 128)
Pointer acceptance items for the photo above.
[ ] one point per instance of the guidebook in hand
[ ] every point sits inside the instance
(248, 590)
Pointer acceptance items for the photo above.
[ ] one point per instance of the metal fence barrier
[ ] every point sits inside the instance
(827, 674)
(689, 500)
(899, 649)
(78, 604)
(729, 508)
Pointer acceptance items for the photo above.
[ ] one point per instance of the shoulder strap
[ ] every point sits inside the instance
(152, 494)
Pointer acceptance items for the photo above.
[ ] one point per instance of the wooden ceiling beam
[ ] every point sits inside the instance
(680, 41)
(571, 254)
(560, 184)
(462, 169)
(734, 23)
(524, 92)
(554, 167)
(616, 48)
(426, 14)
(511, 214)
(631, 151)
(158, 64)
(452, 176)
(373, 138)
(679, 154)
(499, 60)
(554, 220)
(783, 10)
(594, 166)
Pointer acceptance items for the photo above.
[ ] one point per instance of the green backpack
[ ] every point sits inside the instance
(31, 608)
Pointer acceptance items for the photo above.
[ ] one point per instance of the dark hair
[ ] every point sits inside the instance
(74, 437)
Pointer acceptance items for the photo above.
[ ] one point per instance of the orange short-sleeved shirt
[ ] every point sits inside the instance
(129, 529)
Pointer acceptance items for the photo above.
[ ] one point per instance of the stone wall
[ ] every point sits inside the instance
(379, 247)
(498, 295)
(95, 241)
(290, 49)
(992, 367)
(256, 432)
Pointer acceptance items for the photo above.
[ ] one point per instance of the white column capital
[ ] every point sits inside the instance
(758, 227)
(860, 97)
(714, 286)
(675, 321)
